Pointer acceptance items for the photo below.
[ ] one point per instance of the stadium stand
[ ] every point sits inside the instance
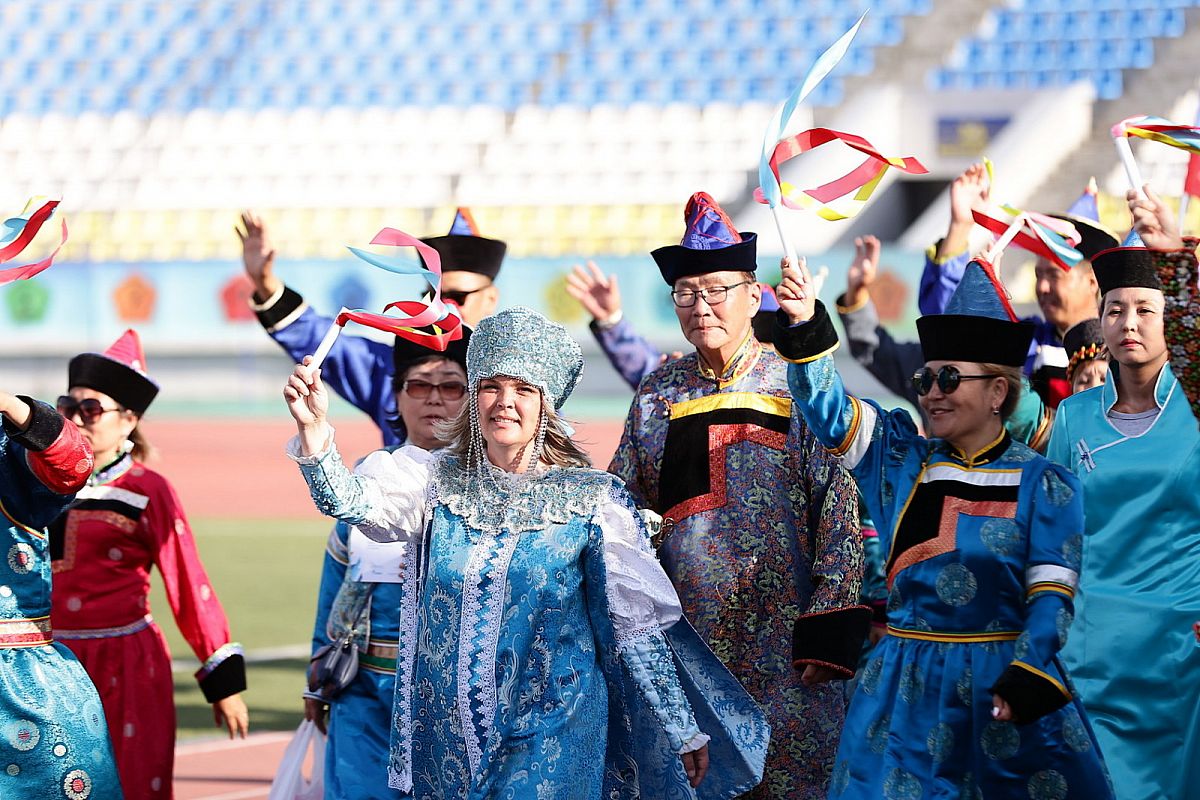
(568, 125)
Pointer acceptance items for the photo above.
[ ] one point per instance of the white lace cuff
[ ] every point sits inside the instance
(641, 598)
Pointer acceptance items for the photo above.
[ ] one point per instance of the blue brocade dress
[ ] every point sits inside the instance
(532, 660)
(53, 736)
(982, 559)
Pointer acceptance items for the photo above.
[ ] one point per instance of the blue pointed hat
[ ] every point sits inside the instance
(979, 325)
(710, 244)
(1084, 214)
(464, 250)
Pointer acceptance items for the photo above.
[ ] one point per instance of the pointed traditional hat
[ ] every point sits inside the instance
(464, 250)
(1084, 214)
(119, 372)
(710, 244)
(979, 324)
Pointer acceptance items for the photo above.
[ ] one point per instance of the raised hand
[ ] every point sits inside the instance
(258, 255)
(968, 192)
(1153, 221)
(596, 292)
(308, 401)
(795, 295)
(862, 270)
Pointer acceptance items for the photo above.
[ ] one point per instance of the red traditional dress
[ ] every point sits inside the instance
(127, 519)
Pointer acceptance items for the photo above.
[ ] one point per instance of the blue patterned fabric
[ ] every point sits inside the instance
(53, 735)
(982, 560)
(360, 718)
(1131, 652)
(511, 666)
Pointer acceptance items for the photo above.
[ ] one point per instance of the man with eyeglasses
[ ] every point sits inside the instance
(760, 530)
(358, 369)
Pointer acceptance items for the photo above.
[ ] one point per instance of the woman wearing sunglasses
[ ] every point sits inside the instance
(430, 390)
(964, 696)
(534, 656)
(126, 520)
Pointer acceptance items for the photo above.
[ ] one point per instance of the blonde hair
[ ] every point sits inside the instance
(558, 448)
(1015, 379)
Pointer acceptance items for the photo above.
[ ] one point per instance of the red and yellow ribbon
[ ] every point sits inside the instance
(858, 184)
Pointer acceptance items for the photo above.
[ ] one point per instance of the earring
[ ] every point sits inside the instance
(127, 446)
(995, 412)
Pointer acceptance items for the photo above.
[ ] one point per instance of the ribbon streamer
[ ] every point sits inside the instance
(443, 318)
(1157, 129)
(20, 231)
(861, 181)
(1050, 238)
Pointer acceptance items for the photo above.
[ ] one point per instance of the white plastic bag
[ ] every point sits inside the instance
(289, 783)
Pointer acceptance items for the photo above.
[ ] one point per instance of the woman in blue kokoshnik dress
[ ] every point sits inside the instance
(53, 737)
(964, 697)
(542, 652)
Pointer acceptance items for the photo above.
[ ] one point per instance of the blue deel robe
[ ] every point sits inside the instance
(982, 560)
(360, 718)
(1131, 653)
(53, 733)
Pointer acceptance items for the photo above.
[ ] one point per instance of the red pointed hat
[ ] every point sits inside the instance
(710, 244)
(119, 372)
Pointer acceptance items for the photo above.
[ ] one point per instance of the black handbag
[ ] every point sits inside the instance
(334, 666)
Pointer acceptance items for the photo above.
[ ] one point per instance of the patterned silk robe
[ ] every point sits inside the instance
(52, 733)
(982, 561)
(534, 656)
(762, 541)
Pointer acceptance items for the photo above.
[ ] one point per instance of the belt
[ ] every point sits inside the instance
(954, 636)
(24, 632)
(105, 633)
(380, 657)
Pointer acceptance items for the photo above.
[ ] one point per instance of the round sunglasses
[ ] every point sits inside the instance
(948, 379)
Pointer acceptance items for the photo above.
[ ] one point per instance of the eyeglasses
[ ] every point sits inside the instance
(713, 295)
(948, 378)
(451, 390)
(460, 297)
(89, 409)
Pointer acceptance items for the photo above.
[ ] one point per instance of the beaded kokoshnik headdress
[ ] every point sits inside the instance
(521, 343)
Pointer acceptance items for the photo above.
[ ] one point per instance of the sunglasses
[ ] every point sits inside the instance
(88, 409)
(460, 297)
(451, 390)
(948, 378)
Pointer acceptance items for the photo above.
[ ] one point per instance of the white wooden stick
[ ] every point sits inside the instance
(788, 250)
(326, 344)
(1183, 209)
(1005, 240)
(1131, 168)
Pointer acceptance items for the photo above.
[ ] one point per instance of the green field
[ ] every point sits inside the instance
(266, 575)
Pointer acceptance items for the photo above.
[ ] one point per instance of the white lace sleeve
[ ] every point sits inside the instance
(384, 496)
(641, 598)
